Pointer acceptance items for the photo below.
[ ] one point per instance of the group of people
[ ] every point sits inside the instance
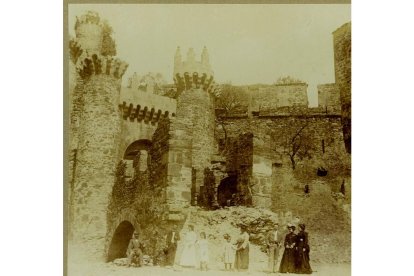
(196, 253)
(235, 255)
(295, 257)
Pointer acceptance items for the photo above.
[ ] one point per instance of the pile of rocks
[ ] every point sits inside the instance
(217, 223)
(147, 261)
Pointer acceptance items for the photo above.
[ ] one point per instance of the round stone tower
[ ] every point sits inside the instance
(192, 130)
(97, 137)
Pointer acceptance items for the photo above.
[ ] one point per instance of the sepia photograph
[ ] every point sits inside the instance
(207, 138)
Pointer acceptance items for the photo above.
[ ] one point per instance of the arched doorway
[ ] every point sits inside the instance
(227, 187)
(137, 156)
(120, 241)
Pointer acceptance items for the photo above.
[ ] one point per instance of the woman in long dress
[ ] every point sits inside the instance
(188, 256)
(242, 252)
(302, 253)
(287, 264)
(203, 251)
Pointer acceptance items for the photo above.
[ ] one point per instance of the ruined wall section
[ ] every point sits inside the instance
(244, 163)
(342, 57)
(238, 157)
(281, 95)
(180, 156)
(159, 154)
(329, 98)
(270, 151)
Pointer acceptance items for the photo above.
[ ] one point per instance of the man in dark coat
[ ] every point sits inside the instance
(172, 238)
(274, 243)
(134, 251)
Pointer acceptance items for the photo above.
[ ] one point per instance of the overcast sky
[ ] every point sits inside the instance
(247, 44)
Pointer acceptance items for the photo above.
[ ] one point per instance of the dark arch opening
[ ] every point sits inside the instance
(120, 240)
(226, 189)
(135, 147)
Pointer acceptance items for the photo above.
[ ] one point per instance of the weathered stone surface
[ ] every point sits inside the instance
(342, 57)
(277, 96)
(329, 98)
(98, 133)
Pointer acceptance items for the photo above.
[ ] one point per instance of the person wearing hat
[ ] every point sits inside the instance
(302, 252)
(274, 243)
(242, 253)
(134, 251)
(287, 264)
(171, 240)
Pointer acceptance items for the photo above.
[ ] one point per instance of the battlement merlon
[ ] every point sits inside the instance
(88, 65)
(195, 81)
(191, 65)
(89, 32)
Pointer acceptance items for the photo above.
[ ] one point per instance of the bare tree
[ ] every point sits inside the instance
(294, 140)
(229, 100)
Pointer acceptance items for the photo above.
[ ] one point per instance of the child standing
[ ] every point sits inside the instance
(229, 252)
(203, 251)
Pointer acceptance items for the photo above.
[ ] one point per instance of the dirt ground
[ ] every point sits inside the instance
(214, 224)
(109, 269)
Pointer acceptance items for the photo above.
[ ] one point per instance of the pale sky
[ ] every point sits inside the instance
(247, 44)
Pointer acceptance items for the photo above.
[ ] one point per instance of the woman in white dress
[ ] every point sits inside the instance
(203, 252)
(188, 256)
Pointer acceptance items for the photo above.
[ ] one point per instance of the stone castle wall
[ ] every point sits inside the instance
(277, 96)
(159, 154)
(326, 149)
(342, 58)
(329, 98)
(149, 100)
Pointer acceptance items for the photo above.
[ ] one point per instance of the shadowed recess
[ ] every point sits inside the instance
(120, 241)
(135, 147)
(227, 187)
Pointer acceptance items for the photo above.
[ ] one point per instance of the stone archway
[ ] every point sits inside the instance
(137, 156)
(227, 187)
(120, 241)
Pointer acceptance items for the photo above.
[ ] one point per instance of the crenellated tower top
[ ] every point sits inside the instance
(89, 32)
(100, 65)
(89, 51)
(193, 73)
(191, 65)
